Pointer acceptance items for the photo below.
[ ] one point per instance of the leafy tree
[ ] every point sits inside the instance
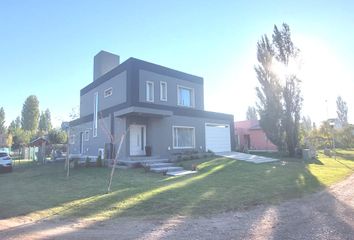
(56, 136)
(20, 137)
(345, 136)
(305, 128)
(286, 53)
(251, 113)
(45, 123)
(279, 105)
(30, 114)
(14, 125)
(269, 94)
(326, 133)
(2, 121)
(306, 124)
(9, 140)
(342, 111)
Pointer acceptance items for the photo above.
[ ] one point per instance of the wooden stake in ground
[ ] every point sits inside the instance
(67, 155)
(115, 160)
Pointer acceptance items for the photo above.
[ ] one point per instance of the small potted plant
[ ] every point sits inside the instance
(148, 150)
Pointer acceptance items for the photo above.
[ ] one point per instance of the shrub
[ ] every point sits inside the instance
(87, 162)
(99, 161)
(76, 163)
(137, 165)
(327, 152)
(194, 167)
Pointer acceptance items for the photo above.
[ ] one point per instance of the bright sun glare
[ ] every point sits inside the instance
(324, 77)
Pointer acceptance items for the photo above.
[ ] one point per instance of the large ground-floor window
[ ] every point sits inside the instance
(183, 137)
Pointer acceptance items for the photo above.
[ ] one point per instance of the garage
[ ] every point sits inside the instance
(217, 137)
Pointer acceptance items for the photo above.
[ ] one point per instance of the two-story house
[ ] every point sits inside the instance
(157, 106)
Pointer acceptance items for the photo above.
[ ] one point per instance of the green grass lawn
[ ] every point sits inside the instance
(220, 185)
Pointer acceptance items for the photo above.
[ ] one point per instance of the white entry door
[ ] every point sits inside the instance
(137, 139)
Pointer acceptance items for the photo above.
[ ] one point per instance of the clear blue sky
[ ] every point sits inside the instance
(47, 48)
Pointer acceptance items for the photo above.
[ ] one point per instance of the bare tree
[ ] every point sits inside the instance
(104, 128)
(116, 160)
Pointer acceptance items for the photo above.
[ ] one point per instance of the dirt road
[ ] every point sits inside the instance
(325, 215)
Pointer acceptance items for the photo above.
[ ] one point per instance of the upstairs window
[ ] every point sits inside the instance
(163, 91)
(185, 96)
(149, 91)
(108, 92)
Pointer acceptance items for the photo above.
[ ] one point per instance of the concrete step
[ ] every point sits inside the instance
(139, 158)
(157, 165)
(165, 169)
(180, 173)
(143, 161)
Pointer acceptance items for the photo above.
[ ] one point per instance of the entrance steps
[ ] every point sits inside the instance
(180, 173)
(156, 164)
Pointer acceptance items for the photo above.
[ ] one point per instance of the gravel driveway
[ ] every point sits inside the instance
(325, 215)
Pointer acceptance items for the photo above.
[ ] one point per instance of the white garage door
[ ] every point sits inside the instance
(217, 137)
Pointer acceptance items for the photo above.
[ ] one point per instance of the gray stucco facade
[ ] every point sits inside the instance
(123, 105)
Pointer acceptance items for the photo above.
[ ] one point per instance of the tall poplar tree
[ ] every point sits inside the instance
(2, 121)
(342, 111)
(30, 114)
(279, 95)
(251, 113)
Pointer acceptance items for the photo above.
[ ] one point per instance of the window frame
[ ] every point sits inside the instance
(173, 137)
(86, 135)
(72, 139)
(95, 115)
(108, 92)
(192, 97)
(152, 91)
(161, 91)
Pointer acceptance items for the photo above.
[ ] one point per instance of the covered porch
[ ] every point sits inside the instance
(141, 139)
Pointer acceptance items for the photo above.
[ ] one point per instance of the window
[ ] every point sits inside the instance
(108, 92)
(95, 114)
(149, 91)
(183, 137)
(185, 96)
(72, 139)
(87, 135)
(163, 91)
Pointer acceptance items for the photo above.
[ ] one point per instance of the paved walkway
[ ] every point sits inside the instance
(247, 157)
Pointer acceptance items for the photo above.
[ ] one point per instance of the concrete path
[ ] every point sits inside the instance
(247, 157)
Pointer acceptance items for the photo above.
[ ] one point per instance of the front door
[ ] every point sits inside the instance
(137, 139)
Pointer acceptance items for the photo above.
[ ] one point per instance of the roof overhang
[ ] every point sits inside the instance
(142, 111)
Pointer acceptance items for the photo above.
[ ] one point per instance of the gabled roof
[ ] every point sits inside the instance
(38, 141)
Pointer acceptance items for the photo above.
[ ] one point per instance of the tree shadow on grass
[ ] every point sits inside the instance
(345, 155)
(314, 161)
(206, 194)
(112, 208)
